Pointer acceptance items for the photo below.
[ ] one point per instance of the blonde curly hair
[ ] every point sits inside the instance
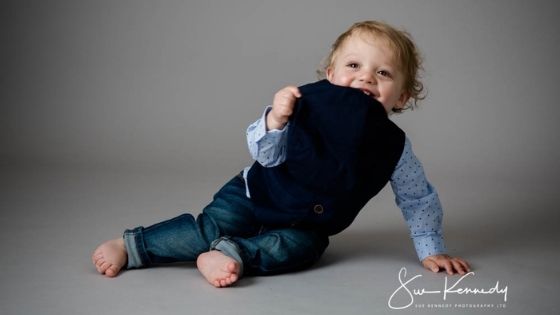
(406, 53)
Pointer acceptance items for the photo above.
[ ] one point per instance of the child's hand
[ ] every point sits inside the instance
(451, 264)
(282, 107)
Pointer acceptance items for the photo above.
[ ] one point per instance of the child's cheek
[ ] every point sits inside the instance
(343, 80)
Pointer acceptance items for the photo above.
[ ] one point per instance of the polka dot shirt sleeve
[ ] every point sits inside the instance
(419, 203)
(267, 147)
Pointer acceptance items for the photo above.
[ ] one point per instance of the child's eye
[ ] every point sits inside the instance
(384, 73)
(353, 65)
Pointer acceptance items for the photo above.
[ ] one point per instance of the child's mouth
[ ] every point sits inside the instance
(368, 93)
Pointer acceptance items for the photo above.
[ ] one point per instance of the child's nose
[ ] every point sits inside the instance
(368, 77)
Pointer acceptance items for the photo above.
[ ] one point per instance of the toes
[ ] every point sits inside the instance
(226, 281)
(99, 261)
(232, 267)
(112, 271)
(98, 264)
(103, 267)
(110, 257)
(218, 269)
(100, 269)
(221, 283)
(95, 257)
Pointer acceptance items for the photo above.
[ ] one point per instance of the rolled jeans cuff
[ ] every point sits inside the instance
(229, 248)
(133, 241)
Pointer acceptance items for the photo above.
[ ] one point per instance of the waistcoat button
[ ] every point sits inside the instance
(318, 209)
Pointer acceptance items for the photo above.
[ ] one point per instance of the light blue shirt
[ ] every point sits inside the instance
(414, 195)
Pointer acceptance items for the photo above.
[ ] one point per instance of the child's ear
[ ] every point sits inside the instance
(402, 100)
(329, 73)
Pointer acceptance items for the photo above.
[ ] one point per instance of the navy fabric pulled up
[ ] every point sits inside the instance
(341, 151)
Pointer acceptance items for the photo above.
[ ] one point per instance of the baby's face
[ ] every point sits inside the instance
(366, 63)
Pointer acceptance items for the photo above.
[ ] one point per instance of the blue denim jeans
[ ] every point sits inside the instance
(226, 224)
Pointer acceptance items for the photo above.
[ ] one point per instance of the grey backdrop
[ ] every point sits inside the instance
(165, 89)
(173, 84)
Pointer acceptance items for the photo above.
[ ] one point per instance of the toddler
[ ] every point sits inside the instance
(322, 151)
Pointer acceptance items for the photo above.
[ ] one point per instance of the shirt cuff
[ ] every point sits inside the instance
(260, 130)
(260, 127)
(429, 245)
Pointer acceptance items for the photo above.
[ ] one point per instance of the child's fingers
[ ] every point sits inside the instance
(464, 264)
(431, 265)
(294, 91)
(450, 264)
(448, 267)
(287, 96)
(458, 267)
(291, 91)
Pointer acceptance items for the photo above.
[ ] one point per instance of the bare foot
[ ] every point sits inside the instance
(220, 270)
(110, 257)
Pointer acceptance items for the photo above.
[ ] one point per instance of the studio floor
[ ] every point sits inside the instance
(52, 218)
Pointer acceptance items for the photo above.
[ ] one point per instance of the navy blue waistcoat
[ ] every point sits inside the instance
(341, 151)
